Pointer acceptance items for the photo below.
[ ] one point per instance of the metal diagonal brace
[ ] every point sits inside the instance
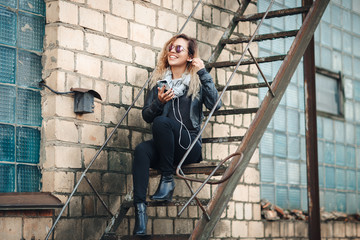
(262, 74)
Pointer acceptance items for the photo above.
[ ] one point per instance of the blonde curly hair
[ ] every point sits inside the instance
(163, 65)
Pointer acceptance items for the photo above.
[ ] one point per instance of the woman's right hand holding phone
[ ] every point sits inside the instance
(165, 95)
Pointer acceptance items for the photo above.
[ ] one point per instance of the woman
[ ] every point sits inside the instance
(179, 87)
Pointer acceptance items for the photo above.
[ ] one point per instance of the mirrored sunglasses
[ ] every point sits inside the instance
(178, 48)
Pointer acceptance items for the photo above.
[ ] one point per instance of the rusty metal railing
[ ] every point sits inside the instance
(106, 142)
(179, 171)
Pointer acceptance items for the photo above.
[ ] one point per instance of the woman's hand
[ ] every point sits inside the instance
(198, 64)
(165, 96)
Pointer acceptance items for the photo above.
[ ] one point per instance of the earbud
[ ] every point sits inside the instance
(190, 60)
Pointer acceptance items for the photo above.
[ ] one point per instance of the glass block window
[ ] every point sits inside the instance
(21, 42)
(283, 147)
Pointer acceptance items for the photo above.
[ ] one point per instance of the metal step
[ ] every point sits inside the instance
(243, 86)
(195, 168)
(272, 14)
(245, 62)
(233, 111)
(269, 36)
(113, 236)
(222, 139)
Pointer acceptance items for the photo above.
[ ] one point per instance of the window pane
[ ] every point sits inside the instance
(7, 108)
(7, 65)
(31, 32)
(327, 98)
(28, 178)
(7, 143)
(7, 27)
(7, 177)
(29, 69)
(35, 6)
(28, 107)
(27, 145)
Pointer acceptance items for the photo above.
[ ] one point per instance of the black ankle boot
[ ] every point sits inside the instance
(140, 219)
(165, 189)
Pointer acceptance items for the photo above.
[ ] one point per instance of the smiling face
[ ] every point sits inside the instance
(180, 59)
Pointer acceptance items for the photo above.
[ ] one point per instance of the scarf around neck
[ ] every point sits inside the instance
(179, 85)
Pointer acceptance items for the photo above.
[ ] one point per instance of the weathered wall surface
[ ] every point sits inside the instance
(111, 46)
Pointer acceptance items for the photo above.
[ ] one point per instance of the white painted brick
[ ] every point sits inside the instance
(116, 26)
(123, 8)
(190, 28)
(239, 229)
(10, 228)
(187, 7)
(66, 157)
(113, 72)
(223, 229)
(221, 130)
(339, 229)
(207, 14)
(36, 227)
(114, 94)
(198, 13)
(72, 81)
(251, 176)
(160, 38)
(167, 21)
(140, 33)
(62, 11)
(70, 38)
(144, 57)
(220, 151)
(120, 50)
(91, 19)
(216, 18)
(136, 76)
(145, 15)
(97, 44)
(248, 211)
(101, 161)
(239, 210)
(103, 5)
(88, 65)
(167, 4)
(63, 181)
(56, 129)
(256, 212)
(92, 134)
(177, 6)
(135, 119)
(241, 193)
(101, 88)
(254, 194)
(256, 229)
(224, 19)
(112, 114)
(126, 95)
(59, 59)
(210, 35)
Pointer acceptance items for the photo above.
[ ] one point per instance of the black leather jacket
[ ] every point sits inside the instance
(207, 95)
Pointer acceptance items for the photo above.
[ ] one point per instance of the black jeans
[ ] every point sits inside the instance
(163, 152)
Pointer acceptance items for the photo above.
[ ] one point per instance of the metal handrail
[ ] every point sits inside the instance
(111, 134)
(179, 171)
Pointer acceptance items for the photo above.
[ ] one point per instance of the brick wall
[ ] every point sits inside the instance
(111, 46)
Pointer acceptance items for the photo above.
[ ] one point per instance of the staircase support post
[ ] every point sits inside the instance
(224, 191)
(314, 226)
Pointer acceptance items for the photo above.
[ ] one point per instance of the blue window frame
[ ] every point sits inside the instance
(21, 45)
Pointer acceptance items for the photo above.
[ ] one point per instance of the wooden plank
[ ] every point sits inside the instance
(224, 191)
(27, 200)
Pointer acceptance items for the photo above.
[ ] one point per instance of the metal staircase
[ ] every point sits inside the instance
(248, 143)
